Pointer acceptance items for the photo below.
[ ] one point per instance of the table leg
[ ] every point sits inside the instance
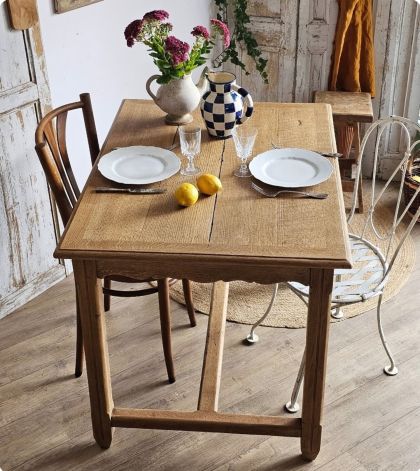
(90, 299)
(321, 281)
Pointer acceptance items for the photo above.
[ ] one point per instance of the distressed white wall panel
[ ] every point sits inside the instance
(14, 68)
(397, 91)
(26, 223)
(25, 190)
(274, 26)
(268, 33)
(268, 8)
(288, 43)
(412, 98)
(315, 33)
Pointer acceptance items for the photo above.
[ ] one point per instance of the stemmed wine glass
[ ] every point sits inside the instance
(190, 138)
(244, 138)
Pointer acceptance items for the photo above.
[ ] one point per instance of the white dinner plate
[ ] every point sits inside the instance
(139, 165)
(290, 168)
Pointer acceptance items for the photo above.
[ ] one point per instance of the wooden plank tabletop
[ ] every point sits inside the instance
(237, 224)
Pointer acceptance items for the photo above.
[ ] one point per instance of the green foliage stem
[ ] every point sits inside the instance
(242, 36)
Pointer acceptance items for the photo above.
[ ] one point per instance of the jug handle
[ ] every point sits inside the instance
(248, 103)
(148, 83)
(203, 81)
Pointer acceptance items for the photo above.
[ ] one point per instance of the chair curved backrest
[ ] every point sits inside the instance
(408, 129)
(51, 147)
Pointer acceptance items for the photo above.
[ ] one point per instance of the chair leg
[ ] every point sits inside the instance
(165, 326)
(358, 156)
(78, 370)
(337, 313)
(252, 336)
(186, 286)
(293, 406)
(360, 195)
(107, 297)
(390, 370)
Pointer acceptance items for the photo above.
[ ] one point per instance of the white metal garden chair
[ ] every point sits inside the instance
(371, 266)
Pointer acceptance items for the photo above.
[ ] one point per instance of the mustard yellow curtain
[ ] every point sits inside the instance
(352, 68)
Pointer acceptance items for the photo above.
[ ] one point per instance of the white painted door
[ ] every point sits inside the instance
(27, 234)
(297, 37)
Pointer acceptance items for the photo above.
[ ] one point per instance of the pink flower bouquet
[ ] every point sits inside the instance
(173, 57)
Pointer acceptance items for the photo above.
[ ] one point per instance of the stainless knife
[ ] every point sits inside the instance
(171, 147)
(133, 191)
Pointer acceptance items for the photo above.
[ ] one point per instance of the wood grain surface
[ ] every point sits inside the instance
(348, 106)
(230, 235)
(89, 290)
(213, 354)
(237, 224)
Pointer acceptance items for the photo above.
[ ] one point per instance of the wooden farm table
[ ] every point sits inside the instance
(236, 235)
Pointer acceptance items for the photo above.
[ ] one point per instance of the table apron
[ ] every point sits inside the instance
(204, 271)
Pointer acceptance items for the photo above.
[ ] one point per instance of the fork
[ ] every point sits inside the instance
(324, 154)
(274, 193)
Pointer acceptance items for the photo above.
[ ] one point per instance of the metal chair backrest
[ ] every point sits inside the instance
(51, 147)
(377, 129)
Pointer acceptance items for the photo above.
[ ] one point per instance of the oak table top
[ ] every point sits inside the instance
(236, 235)
(238, 223)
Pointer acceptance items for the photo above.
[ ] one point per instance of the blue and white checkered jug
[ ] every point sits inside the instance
(225, 105)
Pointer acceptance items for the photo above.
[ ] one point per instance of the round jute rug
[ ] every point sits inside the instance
(248, 301)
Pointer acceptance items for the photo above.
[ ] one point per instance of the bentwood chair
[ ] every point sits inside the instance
(51, 147)
(372, 266)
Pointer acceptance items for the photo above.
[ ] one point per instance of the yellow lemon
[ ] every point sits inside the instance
(186, 194)
(209, 184)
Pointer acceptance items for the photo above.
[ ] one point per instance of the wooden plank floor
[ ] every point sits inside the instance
(372, 422)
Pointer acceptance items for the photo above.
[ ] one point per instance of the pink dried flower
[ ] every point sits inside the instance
(177, 49)
(156, 15)
(201, 31)
(132, 31)
(222, 29)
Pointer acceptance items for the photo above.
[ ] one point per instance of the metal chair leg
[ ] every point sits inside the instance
(358, 156)
(390, 370)
(337, 313)
(165, 326)
(252, 336)
(186, 286)
(293, 406)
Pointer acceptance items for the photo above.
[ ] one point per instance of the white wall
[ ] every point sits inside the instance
(86, 51)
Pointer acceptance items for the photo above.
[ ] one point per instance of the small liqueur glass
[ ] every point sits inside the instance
(190, 139)
(244, 138)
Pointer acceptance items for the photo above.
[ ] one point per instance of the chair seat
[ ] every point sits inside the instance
(364, 281)
(126, 279)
